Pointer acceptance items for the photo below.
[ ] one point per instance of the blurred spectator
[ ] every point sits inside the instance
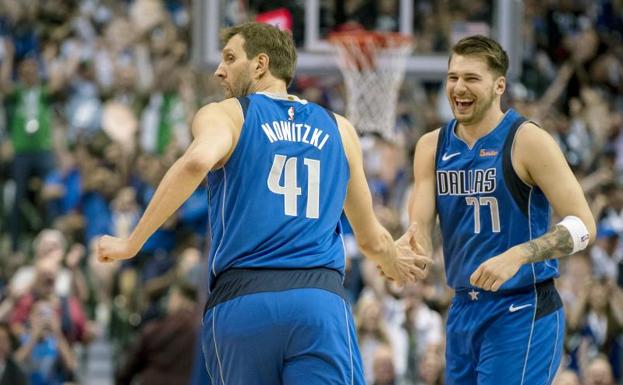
(567, 377)
(155, 357)
(165, 119)
(68, 309)
(599, 372)
(44, 350)
(424, 328)
(607, 254)
(50, 246)
(597, 316)
(10, 371)
(371, 332)
(383, 367)
(30, 127)
(62, 188)
(84, 105)
(431, 367)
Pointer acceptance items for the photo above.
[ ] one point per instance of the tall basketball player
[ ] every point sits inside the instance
(492, 176)
(281, 170)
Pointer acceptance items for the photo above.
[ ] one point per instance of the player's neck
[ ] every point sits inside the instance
(470, 133)
(270, 85)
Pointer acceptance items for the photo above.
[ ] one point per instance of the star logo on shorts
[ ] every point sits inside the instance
(473, 295)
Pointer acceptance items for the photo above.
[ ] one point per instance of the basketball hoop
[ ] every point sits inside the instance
(373, 65)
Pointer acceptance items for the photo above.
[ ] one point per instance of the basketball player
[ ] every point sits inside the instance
(491, 177)
(281, 170)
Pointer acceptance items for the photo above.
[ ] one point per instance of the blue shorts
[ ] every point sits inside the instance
(292, 337)
(505, 338)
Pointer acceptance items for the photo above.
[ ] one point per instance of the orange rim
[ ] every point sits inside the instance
(366, 37)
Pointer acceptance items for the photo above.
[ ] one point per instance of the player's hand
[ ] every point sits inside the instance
(111, 249)
(407, 266)
(492, 273)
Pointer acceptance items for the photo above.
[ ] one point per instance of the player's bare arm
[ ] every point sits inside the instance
(215, 128)
(397, 260)
(422, 203)
(556, 243)
(548, 169)
(538, 161)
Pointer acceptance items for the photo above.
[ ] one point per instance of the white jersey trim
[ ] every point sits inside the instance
(222, 221)
(536, 296)
(350, 348)
(549, 372)
(218, 358)
(286, 97)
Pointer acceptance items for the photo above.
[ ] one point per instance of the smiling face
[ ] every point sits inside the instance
(472, 88)
(235, 69)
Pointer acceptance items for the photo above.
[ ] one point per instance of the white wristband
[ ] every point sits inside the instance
(578, 231)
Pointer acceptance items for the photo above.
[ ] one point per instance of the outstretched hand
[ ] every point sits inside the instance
(408, 265)
(111, 249)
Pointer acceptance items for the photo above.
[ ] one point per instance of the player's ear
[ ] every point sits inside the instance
(261, 64)
(500, 85)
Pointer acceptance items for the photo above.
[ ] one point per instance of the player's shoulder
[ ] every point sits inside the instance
(228, 113)
(228, 110)
(229, 106)
(341, 120)
(431, 137)
(428, 142)
(344, 125)
(532, 136)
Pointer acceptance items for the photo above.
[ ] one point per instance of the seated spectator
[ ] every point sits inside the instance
(10, 371)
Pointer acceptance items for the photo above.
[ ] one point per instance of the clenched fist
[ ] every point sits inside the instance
(114, 249)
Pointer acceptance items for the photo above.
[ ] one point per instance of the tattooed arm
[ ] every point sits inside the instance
(538, 161)
(554, 244)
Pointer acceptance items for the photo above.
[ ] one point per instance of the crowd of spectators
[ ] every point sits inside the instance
(97, 100)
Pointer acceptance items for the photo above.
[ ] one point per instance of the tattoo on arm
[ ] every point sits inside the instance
(556, 243)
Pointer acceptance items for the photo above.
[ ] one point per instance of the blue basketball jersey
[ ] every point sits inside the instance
(277, 201)
(484, 207)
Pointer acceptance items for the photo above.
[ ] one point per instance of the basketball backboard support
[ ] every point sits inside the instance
(316, 55)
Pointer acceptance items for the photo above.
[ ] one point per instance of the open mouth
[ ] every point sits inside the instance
(463, 104)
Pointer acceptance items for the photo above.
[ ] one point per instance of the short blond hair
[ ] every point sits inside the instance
(270, 40)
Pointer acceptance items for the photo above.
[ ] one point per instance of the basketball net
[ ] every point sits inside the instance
(373, 66)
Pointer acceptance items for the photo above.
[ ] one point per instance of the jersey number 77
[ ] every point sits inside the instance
(492, 202)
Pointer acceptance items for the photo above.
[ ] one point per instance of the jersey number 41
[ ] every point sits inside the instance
(282, 165)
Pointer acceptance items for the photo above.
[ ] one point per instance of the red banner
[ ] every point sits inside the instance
(280, 18)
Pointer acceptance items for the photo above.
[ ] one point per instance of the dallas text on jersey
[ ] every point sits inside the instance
(466, 182)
